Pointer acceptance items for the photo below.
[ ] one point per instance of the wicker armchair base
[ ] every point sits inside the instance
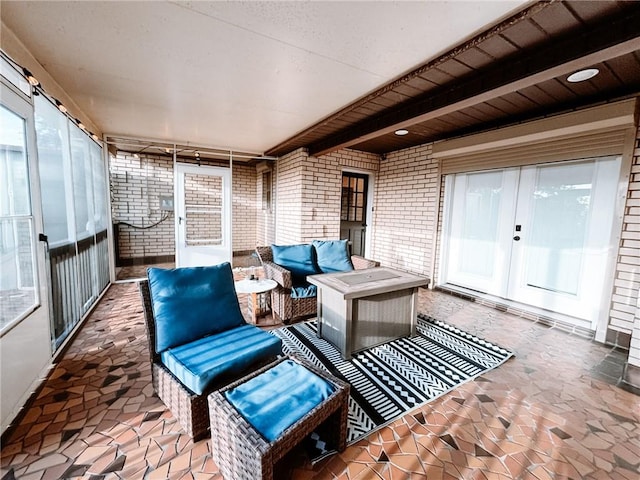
(188, 408)
(242, 453)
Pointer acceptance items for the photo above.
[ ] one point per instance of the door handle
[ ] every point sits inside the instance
(516, 238)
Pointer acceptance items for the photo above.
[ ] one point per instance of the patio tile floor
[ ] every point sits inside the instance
(552, 412)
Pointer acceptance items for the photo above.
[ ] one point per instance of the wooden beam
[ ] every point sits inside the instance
(609, 39)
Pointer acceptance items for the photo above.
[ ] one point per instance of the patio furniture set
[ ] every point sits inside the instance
(217, 373)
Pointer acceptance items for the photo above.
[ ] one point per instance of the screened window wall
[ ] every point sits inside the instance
(74, 208)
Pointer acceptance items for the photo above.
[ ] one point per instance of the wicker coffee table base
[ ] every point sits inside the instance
(242, 453)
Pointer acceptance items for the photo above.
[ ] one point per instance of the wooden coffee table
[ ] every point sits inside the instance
(364, 308)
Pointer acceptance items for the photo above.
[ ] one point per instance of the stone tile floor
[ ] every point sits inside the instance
(552, 412)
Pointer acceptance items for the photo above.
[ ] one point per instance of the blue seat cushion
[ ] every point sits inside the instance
(332, 256)
(199, 363)
(190, 303)
(279, 397)
(298, 259)
(304, 290)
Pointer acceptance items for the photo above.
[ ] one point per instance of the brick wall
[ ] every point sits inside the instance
(405, 210)
(308, 193)
(324, 187)
(625, 302)
(245, 207)
(289, 197)
(136, 184)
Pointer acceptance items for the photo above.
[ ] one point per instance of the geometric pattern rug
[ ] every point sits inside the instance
(390, 379)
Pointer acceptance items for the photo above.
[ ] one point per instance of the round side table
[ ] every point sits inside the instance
(258, 300)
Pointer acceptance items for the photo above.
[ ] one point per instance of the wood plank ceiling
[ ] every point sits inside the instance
(512, 72)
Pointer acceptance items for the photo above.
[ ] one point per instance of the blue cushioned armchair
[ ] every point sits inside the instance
(198, 339)
(289, 266)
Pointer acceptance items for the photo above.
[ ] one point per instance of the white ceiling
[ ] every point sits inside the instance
(240, 75)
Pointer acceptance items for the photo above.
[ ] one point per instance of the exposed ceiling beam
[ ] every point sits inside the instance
(609, 39)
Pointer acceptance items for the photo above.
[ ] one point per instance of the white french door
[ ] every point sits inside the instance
(539, 235)
(203, 215)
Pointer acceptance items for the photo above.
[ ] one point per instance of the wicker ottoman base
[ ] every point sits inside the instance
(242, 453)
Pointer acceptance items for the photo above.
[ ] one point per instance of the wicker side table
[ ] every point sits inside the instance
(243, 453)
(258, 304)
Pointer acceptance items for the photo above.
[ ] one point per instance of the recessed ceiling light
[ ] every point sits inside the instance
(582, 75)
(401, 132)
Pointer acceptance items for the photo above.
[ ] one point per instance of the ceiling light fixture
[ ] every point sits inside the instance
(30, 78)
(582, 75)
(401, 132)
(60, 106)
(197, 154)
(95, 137)
(80, 124)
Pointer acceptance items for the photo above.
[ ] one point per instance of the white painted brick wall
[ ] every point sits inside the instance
(405, 210)
(308, 193)
(136, 184)
(245, 207)
(625, 302)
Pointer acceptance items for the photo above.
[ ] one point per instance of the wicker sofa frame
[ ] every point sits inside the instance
(189, 408)
(243, 453)
(283, 306)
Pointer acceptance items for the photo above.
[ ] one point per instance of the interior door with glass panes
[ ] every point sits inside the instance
(353, 211)
(203, 215)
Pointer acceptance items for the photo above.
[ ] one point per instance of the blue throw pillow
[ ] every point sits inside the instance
(333, 256)
(298, 259)
(190, 303)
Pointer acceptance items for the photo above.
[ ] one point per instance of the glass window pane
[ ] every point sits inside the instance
(562, 201)
(82, 182)
(100, 216)
(17, 278)
(9, 72)
(14, 197)
(480, 228)
(54, 164)
(203, 209)
(17, 282)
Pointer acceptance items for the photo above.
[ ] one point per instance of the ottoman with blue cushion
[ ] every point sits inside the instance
(256, 420)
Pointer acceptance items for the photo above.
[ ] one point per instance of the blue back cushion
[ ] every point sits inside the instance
(190, 303)
(333, 256)
(279, 397)
(298, 259)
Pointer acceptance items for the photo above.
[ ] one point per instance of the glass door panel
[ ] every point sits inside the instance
(565, 213)
(482, 210)
(540, 235)
(203, 205)
(353, 211)
(18, 284)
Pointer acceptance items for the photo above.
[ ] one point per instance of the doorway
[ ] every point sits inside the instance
(539, 235)
(25, 341)
(203, 215)
(353, 211)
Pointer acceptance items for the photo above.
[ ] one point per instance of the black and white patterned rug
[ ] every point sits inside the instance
(393, 378)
